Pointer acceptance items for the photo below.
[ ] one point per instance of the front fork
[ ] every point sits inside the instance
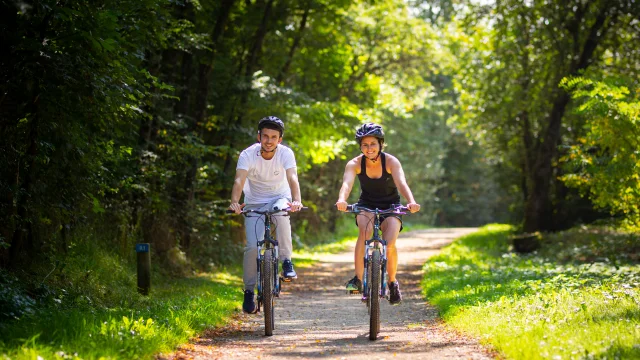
(368, 250)
(274, 272)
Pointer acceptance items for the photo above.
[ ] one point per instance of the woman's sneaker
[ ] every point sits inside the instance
(249, 304)
(395, 296)
(354, 285)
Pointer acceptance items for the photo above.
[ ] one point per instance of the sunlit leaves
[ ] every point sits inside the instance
(605, 163)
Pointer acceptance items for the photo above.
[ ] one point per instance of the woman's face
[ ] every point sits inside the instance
(370, 146)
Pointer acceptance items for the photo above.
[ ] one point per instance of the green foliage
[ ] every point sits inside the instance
(74, 95)
(578, 297)
(13, 300)
(88, 307)
(512, 56)
(471, 193)
(605, 163)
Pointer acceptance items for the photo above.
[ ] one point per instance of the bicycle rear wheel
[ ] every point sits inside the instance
(267, 292)
(374, 324)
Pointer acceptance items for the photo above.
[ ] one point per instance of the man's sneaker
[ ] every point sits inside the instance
(395, 296)
(249, 304)
(287, 271)
(354, 285)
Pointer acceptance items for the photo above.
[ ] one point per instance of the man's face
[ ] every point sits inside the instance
(269, 139)
(370, 146)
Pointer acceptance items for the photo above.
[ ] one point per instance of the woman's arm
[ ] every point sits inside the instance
(401, 182)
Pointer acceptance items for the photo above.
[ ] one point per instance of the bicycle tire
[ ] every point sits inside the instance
(367, 291)
(374, 324)
(267, 292)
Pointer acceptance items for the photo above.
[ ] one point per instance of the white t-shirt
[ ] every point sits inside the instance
(267, 179)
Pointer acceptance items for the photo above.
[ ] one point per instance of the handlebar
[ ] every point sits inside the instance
(265, 212)
(397, 209)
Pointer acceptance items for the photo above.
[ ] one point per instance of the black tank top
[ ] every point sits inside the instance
(377, 193)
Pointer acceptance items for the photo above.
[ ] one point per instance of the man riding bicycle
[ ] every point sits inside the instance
(267, 174)
(381, 177)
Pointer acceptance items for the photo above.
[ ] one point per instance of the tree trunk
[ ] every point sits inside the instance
(182, 193)
(23, 229)
(196, 118)
(538, 210)
(296, 43)
(252, 62)
(256, 49)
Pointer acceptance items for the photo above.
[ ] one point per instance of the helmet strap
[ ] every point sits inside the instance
(373, 160)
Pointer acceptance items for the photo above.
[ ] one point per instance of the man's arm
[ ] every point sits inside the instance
(347, 184)
(401, 183)
(294, 185)
(236, 191)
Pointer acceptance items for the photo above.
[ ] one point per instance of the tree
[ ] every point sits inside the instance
(509, 86)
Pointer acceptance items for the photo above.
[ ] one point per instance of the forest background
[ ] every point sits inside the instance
(121, 121)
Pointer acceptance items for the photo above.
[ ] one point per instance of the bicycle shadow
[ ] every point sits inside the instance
(316, 318)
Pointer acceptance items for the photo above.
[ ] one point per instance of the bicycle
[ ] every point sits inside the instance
(375, 266)
(268, 263)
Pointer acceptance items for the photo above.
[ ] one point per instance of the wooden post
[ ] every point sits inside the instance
(144, 268)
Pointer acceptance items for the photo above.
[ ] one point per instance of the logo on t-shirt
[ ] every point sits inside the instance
(276, 173)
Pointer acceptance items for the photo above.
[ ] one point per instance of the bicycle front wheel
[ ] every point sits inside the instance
(374, 324)
(267, 292)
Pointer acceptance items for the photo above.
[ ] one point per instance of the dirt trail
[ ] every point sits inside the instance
(315, 318)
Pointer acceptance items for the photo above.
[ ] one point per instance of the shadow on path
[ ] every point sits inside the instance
(315, 318)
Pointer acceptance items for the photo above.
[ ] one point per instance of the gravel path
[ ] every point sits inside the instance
(315, 318)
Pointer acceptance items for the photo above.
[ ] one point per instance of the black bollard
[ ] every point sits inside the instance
(144, 268)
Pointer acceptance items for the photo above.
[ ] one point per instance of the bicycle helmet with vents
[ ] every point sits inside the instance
(370, 129)
(271, 122)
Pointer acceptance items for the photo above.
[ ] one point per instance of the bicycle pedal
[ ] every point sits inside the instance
(353, 292)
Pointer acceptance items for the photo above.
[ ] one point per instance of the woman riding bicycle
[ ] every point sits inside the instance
(381, 177)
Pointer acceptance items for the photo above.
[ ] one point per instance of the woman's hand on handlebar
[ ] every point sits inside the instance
(413, 207)
(237, 208)
(341, 205)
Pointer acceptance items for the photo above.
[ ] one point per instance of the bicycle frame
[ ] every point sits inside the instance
(376, 242)
(267, 262)
(374, 278)
(268, 243)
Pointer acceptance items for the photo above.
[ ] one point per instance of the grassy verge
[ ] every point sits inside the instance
(99, 315)
(577, 298)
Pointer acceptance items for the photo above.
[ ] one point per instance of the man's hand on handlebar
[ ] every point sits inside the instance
(237, 208)
(294, 206)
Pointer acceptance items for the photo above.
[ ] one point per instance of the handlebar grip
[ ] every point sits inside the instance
(229, 211)
(351, 207)
(288, 209)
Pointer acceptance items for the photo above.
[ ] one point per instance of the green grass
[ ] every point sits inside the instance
(100, 315)
(576, 298)
(85, 306)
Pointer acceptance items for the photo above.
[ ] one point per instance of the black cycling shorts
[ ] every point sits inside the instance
(382, 217)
